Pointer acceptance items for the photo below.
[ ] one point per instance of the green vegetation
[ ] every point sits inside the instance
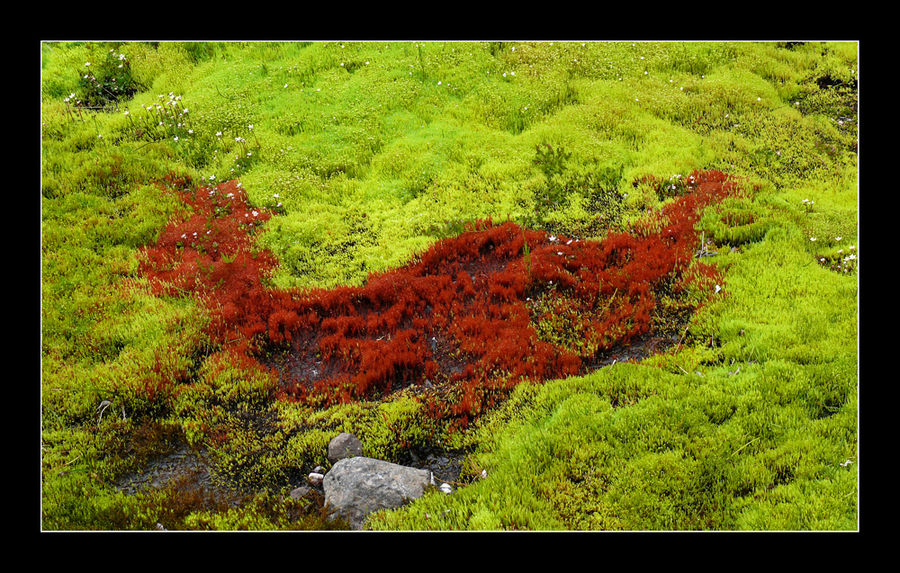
(370, 152)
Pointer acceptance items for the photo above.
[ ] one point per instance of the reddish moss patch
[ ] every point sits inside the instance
(461, 319)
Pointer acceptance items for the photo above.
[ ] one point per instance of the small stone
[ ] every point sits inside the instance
(300, 492)
(344, 445)
(315, 478)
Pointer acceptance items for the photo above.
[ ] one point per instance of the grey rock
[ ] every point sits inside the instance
(345, 445)
(358, 486)
(300, 492)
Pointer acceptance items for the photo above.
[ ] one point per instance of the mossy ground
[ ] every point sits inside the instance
(368, 153)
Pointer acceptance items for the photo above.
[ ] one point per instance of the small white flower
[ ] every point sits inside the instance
(275, 195)
(446, 488)
(218, 134)
(250, 127)
(838, 238)
(285, 85)
(718, 288)
(86, 64)
(846, 463)
(176, 138)
(812, 239)
(125, 112)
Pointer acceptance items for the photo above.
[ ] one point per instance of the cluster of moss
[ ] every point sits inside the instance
(369, 152)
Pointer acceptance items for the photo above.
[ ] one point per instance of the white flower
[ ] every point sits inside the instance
(285, 85)
(125, 112)
(446, 488)
(275, 195)
(812, 239)
(86, 64)
(218, 134)
(176, 138)
(837, 238)
(250, 127)
(718, 288)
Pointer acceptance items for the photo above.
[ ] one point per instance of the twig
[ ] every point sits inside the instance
(744, 446)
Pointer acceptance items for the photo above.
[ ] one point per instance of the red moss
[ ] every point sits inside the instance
(460, 317)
